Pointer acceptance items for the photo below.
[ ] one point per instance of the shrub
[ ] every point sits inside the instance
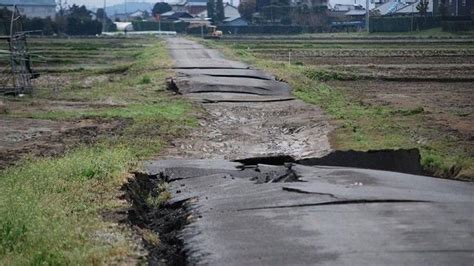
(457, 26)
(262, 29)
(165, 26)
(403, 24)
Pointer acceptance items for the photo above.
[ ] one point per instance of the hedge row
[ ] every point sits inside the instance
(457, 26)
(262, 29)
(179, 27)
(403, 24)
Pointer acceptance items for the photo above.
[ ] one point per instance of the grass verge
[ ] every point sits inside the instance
(51, 208)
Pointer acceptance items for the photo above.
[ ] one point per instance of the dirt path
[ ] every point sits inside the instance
(249, 113)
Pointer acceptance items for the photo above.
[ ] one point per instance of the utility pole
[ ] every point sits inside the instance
(457, 7)
(125, 7)
(367, 9)
(159, 23)
(202, 26)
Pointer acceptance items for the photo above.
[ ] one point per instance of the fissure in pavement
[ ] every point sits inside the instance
(160, 222)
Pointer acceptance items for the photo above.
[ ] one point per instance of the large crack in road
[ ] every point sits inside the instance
(255, 191)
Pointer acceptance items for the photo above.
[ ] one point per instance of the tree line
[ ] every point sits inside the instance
(72, 20)
(282, 12)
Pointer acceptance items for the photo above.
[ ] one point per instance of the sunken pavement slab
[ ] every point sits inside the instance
(252, 214)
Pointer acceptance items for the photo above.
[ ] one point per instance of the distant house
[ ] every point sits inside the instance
(356, 14)
(195, 7)
(236, 22)
(390, 8)
(398, 7)
(32, 8)
(178, 6)
(411, 9)
(137, 14)
(314, 3)
(230, 12)
(174, 16)
(342, 8)
(460, 7)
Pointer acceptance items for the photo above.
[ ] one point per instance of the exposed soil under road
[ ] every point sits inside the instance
(241, 130)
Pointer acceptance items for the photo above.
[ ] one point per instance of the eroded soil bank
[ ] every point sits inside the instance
(159, 222)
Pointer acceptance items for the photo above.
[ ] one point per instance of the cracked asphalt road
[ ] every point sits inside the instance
(249, 113)
(330, 215)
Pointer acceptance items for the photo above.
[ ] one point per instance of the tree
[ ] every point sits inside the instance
(79, 22)
(5, 19)
(146, 15)
(286, 20)
(220, 15)
(247, 8)
(100, 14)
(313, 17)
(422, 7)
(276, 10)
(160, 8)
(443, 8)
(211, 9)
(61, 16)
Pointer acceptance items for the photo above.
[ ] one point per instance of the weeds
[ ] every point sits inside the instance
(145, 80)
(159, 196)
(325, 75)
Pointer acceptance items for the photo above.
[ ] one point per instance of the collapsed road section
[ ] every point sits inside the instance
(340, 216)
(245, 188)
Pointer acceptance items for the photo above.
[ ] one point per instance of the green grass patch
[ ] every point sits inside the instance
(50, 208)
(326, 75)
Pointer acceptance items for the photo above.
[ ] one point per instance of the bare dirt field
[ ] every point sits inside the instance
(55, 118)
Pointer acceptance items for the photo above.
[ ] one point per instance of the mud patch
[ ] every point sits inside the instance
(159, 221)
(23, 137)
(403, 161)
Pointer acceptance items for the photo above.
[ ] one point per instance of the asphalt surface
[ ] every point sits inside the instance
(206, 73)
(246, 215)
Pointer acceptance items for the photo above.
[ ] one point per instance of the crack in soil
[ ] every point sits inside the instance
(290, 189)
(270, 160)
(248, 101)
(213, 67)
(161, 219)
(237, 76)
(339, 202)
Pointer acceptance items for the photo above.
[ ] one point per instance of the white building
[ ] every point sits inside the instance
(32, 8)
